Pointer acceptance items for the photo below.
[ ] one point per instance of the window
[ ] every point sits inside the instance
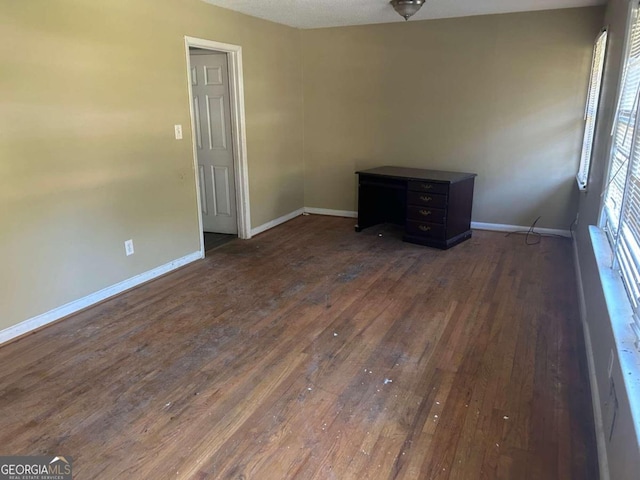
(621, 211)
(591, 108)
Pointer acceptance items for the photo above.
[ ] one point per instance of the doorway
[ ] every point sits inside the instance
(218, 135)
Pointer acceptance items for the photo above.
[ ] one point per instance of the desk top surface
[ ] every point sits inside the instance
(417, 174)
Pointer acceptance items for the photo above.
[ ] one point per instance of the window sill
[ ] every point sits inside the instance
(621, 317)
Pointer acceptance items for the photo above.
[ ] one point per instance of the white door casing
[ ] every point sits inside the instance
(214, 144)
(239, 137)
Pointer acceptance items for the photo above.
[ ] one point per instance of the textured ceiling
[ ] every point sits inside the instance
(338, 13)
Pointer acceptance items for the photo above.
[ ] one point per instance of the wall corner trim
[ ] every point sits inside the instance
(277, 221)
(296, 213)
(75, 306)
(331, 213)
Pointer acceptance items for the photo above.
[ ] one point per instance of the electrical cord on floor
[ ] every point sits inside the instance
(536, 235)
(529, 233)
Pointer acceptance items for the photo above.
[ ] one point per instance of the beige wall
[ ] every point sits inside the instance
(90, 92)
(499, 95)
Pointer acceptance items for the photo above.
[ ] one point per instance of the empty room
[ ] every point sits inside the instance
(256, 239)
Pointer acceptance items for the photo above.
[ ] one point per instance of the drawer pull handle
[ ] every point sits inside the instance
(424, 229)
(425, 198)
(427, 186)
(425, 213)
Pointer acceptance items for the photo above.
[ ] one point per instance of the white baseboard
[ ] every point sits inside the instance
(57, 313)
(274, 223)
(82, 303)
(496, 227)
(593, 381)
(331, 213)
(499, 227)
(289, 216)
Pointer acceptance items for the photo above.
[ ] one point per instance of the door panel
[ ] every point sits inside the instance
(222, 191)
(216, 123)
(213, 75)
(203, 191)
(198, 125)
(211, 107)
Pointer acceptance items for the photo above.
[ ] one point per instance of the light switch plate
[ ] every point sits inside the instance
(128, 247)
(178, 130)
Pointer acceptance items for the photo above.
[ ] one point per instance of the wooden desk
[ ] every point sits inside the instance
(433, 206)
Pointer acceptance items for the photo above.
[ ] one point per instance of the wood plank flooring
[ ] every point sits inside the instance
(215, 240)
(313, 352)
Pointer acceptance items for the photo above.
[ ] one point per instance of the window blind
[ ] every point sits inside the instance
(591, 108)
(622, 191)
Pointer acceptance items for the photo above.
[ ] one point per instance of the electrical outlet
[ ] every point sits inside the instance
(178, 130)
(128, 247)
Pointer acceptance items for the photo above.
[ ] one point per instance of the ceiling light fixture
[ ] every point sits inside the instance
(406, 8)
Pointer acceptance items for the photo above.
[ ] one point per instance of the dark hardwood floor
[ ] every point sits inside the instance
(215, 240)
(313, 352)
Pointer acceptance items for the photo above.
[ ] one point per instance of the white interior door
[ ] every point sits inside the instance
(211, 107)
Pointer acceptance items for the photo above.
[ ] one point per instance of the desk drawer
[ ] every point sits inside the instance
(427, 230)
(426, 214)
(430, 187)
(427, 199)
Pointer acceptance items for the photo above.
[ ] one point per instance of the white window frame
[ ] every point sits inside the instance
(591, 108)
(615, 219)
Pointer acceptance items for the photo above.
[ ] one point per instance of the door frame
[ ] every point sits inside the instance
(238, 129)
